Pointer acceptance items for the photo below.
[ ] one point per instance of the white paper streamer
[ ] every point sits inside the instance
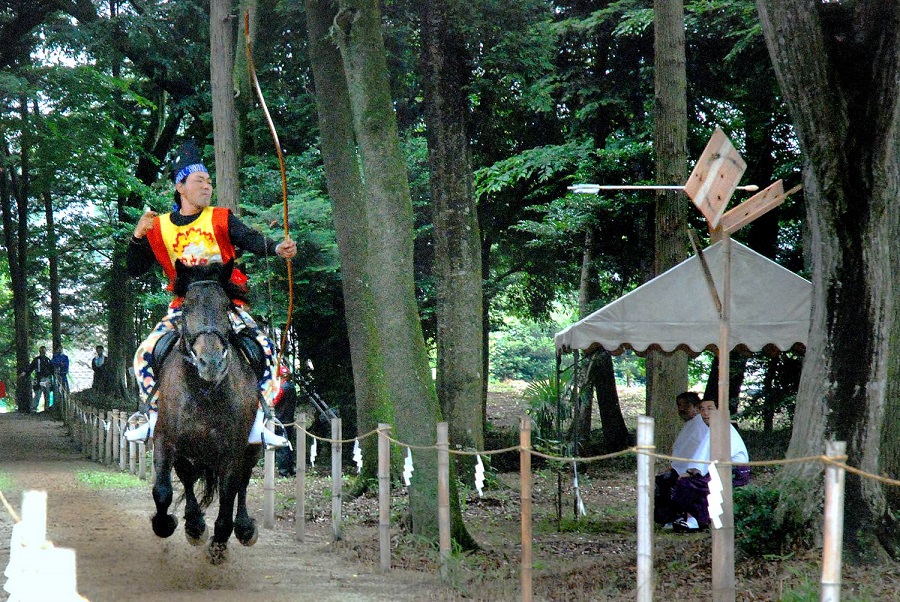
(407, 467)
(313, 449)
(715, 498)
(357, 456)
(578, 499)
(479, 475)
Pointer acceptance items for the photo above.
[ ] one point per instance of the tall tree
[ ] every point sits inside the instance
(224, 113)
(667, 373)
(390, 252)
(838, 66)
(345, 187)
(457, 252)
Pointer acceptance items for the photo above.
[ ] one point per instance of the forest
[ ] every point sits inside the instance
(427, 152)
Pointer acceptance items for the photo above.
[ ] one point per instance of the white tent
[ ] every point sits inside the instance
(770, 306)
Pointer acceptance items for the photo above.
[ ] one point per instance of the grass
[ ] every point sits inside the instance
(5, 481)
(100, 479)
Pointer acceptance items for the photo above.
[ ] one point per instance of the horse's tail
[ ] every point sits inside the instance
(210, 480)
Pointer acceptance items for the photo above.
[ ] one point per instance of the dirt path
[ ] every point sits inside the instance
(119, 557)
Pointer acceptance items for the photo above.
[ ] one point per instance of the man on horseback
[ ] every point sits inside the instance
(196, 233)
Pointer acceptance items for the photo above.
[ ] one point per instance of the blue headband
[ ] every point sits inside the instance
(188, 170)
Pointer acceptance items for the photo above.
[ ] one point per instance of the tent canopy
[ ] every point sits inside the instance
(770, 308)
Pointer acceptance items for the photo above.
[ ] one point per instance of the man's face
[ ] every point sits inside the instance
(686, 410)
(196, 190)
(706, 406)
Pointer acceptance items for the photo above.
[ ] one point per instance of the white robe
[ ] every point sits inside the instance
(693, 443)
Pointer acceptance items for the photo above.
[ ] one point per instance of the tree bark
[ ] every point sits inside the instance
(53, 259)
(457, 242)
(838, 66)
(667, 373)
(345, 187)
(224, 114)
(390, 252)
(21, 305)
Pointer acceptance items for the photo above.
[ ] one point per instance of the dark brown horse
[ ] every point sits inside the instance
(208, 396)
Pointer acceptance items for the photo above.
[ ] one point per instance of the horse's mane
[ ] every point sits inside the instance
(219, 272)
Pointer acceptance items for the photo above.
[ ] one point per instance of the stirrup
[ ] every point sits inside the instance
(137, 427)
(272, 440)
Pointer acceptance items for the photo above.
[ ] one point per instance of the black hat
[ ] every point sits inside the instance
(187, 161)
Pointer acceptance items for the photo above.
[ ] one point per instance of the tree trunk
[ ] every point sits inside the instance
(21, 305)
(457, 250)
(838, 65)
(390, 252)
(345, 188)
(11, 233)
(224, 115)
(667, 373)
(53, 259)
(602, 379)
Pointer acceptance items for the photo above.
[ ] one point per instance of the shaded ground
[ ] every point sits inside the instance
(588, 558)
(119, 558)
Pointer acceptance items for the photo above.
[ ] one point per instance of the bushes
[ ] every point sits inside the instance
(760, 530)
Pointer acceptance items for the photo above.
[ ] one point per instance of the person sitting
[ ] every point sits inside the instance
(195, 234)
(691, 496)
(692, 448)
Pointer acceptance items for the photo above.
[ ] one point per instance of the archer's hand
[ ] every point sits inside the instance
(286, 249)
(145, 224)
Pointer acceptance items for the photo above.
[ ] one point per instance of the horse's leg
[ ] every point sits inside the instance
(163, 523)
(194, 524)
(224, 525)
(244, 525)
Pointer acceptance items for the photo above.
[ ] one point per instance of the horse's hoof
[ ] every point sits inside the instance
(196, 539)
(249, 541)
(164, 526)
(217, 553)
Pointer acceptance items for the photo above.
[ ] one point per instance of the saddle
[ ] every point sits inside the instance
(243, 340)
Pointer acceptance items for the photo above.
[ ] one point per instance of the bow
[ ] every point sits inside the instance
(262, 102)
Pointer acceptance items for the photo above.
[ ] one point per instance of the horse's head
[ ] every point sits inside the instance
(205, 325)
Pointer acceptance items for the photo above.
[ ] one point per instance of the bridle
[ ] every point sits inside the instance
(188, 338)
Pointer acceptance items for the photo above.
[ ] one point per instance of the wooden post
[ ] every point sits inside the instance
(123, 445)
(834, 523)
(132, 457)
(525, 475)
(107, 432)
(336, 479)
(300, 485)
(720, 447)
(115, 437)
(645, 487)
(384, 496)
(443, 450)
(142, 460)
(94, 434)
(269, 487)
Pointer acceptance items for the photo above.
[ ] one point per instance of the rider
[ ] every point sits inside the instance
(196, 234)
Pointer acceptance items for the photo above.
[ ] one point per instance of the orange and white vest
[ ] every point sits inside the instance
(205, 240)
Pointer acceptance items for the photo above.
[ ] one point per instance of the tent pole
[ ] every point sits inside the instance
(723, 581)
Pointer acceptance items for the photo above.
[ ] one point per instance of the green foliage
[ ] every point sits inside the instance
(759, 532)
(521, 350)
(547, 401)
(98, 479)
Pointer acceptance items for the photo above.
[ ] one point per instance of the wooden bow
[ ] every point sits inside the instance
(284, 195)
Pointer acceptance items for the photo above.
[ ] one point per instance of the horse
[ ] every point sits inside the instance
(207, 398)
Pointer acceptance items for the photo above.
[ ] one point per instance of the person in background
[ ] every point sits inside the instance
(285, 408)
(60, 363)
(43, 374)
(98, 365)
(692, 448)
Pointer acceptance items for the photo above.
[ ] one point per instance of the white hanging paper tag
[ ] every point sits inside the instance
(313, 449)
(715, 498)
(407, 467)
(357, 456)
(479, 475)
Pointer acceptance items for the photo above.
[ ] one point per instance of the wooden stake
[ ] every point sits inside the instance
(268, 486)
(336, 479)
(834, 523)
(384, 496)
(443, 445)
(645, 486)
(300, 485)
(525, 476)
